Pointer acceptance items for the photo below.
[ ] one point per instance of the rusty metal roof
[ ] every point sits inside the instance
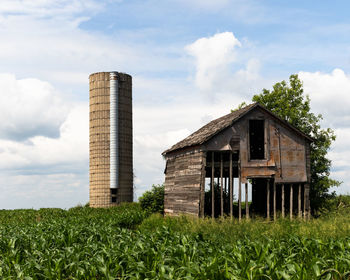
(206, 132)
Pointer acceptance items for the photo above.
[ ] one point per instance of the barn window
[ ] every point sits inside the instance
(257, 139)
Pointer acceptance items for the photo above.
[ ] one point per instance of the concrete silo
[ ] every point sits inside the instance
(111, 164)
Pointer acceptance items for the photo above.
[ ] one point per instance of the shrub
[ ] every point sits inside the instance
(153, 200)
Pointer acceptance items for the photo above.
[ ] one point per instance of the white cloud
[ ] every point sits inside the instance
(242, 11)
(29, 107)
(223, 69)
(213, 55)
(58, 50)
(47, 7)
(41, 152)
(47, 172)
(43, 190)
(329, 94)
(206, 4)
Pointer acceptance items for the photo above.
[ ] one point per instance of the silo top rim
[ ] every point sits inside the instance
(109, 72)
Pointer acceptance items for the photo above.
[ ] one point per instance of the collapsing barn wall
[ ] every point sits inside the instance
(184, 182)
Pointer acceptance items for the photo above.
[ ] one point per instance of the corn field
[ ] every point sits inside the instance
(126, 243)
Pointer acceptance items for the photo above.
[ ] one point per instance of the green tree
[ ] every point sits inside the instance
(153, 200)
(289, 102)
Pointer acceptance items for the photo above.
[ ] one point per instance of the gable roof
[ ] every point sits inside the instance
(209, 130)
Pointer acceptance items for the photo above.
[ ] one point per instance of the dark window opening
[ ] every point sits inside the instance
(114, 195)
(114, 191)
(257, 139)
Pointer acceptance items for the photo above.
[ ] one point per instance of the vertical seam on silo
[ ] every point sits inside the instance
(114, 152)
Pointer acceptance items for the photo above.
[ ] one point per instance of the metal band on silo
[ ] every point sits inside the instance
(114, 152)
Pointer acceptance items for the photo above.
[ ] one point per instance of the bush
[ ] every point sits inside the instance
(153, 200)
(335, 204)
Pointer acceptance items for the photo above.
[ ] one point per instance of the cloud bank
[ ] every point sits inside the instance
(177, 88)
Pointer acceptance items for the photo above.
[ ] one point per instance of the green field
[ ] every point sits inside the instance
(126, 243)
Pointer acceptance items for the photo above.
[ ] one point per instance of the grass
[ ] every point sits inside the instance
(330, 226)
(127, 243)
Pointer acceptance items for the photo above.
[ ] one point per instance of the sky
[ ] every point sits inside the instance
(191, 62)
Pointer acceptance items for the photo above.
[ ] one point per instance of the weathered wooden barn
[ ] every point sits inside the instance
(252, 145)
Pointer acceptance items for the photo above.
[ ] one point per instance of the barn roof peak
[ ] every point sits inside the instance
(214, 127)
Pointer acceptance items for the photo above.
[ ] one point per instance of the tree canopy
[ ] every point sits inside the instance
(289, 102)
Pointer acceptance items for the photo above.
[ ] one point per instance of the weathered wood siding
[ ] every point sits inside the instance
(285, 151)
(183, 183)
(287, 161)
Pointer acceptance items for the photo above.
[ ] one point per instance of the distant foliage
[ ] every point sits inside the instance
(337, 204)
(153, 200)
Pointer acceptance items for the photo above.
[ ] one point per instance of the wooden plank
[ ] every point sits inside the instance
(299, 201)
(268, 199)
(291, 202)
(212, 186)
(304, 202)
(282, 201)
(221, 186)
(307, 197)
(274, 202)
(240, 201)
(225, 184)
(231, 187)
(202, 188)
(246, 202)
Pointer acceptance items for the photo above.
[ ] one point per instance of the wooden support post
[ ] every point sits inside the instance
(221, 186)
(212, 186)
(274, 202)
(246, 202)
(231, 187)
(240, 201)
(291, 202)
(307, 204)
(268, 199)
(304, 206)
(225, 184)
(299, 201)
(282, 201)
(202, 195)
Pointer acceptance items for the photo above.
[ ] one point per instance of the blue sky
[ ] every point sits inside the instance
(191, 61)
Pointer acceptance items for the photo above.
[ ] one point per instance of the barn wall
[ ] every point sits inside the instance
(285, 151)
(286, 156)
(183, 183)
(291, 162)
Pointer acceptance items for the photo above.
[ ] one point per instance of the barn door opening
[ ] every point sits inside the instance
(264, 197)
